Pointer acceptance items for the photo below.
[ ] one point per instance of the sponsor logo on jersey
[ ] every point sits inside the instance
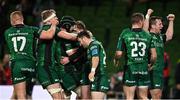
(157, 85)
(104, 88)
(127, 81)
(17, 79)
(28, 69)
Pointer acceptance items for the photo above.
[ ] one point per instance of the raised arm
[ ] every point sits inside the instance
(49, 34)
(146, 21)
(170, 30)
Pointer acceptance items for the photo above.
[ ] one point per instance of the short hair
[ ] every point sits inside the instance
(152, 20)
(84, 34)
(16, 15)
(46, 13)
(80, 25)
(136, 18)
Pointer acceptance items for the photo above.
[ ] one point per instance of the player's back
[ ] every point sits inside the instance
(21, 41)
(137, 45)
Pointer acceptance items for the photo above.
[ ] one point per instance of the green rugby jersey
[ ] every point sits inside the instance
(46, 48)
(95, 49)
(21, 41)
(159, 40)
(136, 44)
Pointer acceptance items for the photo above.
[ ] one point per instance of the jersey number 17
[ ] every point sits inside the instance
(15, 40)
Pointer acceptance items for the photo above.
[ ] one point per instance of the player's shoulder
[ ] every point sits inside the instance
(94, 44)
(126, 30)
(8, 30)
(146, 34)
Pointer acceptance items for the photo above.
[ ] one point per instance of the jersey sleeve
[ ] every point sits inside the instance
(152, 43)
(120, 44)
(35, 31)
(94, 50)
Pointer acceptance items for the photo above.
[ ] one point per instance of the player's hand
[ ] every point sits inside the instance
(150, 11)
(54, 21)
(91, 76)
(64, 60)
(171, 17)
(116, 62)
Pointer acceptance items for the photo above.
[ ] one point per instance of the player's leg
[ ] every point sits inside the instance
(55, 91)
(156, 93)
(142, 92)
(143, 82)
(67, 81)
(85, 92)
(48, 78)
(129, 92)
(99, 87)
(129, 82)
(156, 84)
(85, 88)
(19, 79)
(98, 95)
(20, 90)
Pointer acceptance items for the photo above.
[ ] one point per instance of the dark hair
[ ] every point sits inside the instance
(46, 13)
(80, 25)
(66, 22)
(137, 17)
(153, 19)
(84, 34)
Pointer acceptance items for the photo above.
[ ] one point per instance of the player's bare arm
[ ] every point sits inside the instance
(153, 58)
(146, 21)
(49, 34)
(118, 55)
(68, 36)
(170, 30)
(95, 62)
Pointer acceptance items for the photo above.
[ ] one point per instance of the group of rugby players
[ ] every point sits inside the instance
(65, 57)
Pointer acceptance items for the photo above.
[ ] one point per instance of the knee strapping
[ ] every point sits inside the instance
(52, 91)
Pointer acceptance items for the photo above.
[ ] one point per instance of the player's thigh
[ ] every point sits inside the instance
(142, 92)
(22, 70)
(85, 72)
(20, 89)
(47, 75)
(129, 91)
(68, 81)
(156, 79)
(129, 79)
(98, 95)
(85, 91)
